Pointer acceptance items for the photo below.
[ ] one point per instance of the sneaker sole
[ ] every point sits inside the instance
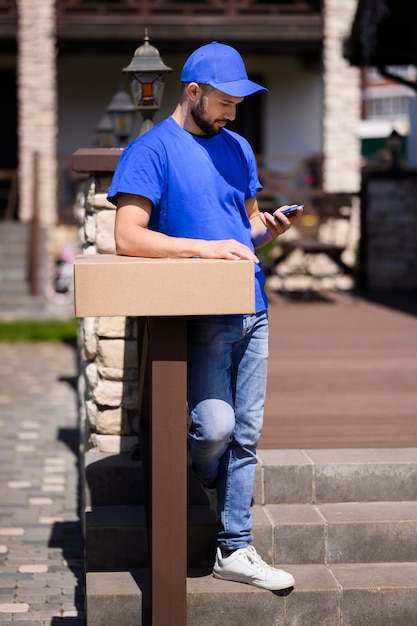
(260, 584)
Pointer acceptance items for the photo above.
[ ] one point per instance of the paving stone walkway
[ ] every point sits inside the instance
(41, 542)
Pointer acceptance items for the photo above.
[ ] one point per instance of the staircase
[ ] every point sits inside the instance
(14, 268)
(343, 522)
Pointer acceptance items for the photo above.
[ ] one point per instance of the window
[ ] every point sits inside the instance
(393, 107)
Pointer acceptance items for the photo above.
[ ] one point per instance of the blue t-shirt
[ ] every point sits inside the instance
(198, 185)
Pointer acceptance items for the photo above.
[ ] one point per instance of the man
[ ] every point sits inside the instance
(187, 188)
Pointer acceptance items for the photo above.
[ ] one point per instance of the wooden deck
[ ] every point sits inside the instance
(343, 373)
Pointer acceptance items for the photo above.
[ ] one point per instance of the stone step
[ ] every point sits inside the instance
(12, 226)
(329, 515)
(336, 475)
(14, 257)
(112, 479)
(15, 301)
(15, 240)
(347, 532)
(283, 477)
(375, 594)
(117, 479)
(12, 233)
(116, 538)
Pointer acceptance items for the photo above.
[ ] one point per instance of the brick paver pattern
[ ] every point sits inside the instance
(41, 542)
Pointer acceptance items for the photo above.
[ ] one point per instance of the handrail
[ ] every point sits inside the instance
(33, 256)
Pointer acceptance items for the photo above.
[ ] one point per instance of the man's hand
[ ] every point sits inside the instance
(278, 223)
(266, 227)
(226, 249)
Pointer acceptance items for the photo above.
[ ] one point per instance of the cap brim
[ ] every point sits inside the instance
(239, 88)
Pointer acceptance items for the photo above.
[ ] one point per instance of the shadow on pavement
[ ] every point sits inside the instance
(68, 536)
(68, 621)
(401, 300)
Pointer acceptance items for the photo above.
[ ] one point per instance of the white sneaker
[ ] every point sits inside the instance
(246, 566)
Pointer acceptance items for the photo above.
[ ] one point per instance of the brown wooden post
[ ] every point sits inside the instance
(168, 541)
(33, 256)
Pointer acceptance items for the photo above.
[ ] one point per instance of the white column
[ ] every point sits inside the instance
(37, 126)
(341, 99)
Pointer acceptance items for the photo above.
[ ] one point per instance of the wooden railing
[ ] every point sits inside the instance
(190, 7)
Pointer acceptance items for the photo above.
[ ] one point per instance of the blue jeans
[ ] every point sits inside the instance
(227, 373)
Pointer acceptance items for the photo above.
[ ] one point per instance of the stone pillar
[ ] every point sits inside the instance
(108, 384)
(37, 107)
(341, 142)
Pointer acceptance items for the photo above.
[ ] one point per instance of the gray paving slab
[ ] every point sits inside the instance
(41, 542)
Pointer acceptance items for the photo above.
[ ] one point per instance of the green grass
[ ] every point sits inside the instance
(38, 330)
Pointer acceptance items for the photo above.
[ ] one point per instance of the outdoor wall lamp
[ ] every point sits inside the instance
(122, 112)
(146, 72)
(103, 132)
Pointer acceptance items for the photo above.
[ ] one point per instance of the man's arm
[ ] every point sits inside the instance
(266, 227)
(133, 238)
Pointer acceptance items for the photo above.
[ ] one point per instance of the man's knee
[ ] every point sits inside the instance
(213, 421)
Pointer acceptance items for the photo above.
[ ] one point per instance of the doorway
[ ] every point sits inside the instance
(8, 146)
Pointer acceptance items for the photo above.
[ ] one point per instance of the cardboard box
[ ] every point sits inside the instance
(112, 285)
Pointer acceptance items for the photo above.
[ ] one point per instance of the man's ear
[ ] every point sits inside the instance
(193, 91)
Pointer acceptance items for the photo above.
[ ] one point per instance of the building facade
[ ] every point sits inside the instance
(67, 58)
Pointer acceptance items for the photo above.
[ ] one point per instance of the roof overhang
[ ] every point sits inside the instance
(384, 33)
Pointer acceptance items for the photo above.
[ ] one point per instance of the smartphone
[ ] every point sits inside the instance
(292, 209)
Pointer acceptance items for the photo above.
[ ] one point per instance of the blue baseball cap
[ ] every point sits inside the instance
(222, 67)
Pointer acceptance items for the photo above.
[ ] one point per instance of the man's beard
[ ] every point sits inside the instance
(208, 128)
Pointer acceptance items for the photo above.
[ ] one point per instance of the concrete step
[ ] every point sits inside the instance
(14, 257)
(116, 538)
(12, 233)
(343, 522)
(283, 477)
(15, 240)
(112, 479)
(347, 532)
(344, 475)
(15, 301)
(117, 479)
(372, 594)
(299, 534)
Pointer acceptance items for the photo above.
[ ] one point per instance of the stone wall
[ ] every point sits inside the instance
(108, 345)
(341, 102)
